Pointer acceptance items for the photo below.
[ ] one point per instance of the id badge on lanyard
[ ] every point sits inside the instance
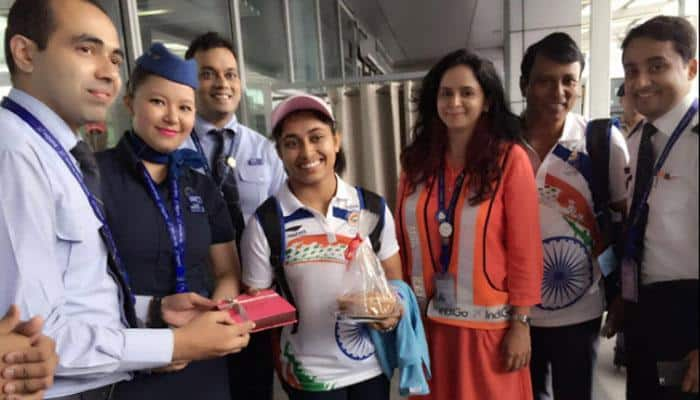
(445, 290)
(445, 296)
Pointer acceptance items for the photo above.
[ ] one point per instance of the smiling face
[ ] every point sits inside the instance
(656, 77)
(77, 75)
(162, 112)
(460, 100)
(552, 89)
(308, 148)
(219, 90)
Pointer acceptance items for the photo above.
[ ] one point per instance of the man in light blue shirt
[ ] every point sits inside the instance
(64, 58)
(257, 169)
(247, 169)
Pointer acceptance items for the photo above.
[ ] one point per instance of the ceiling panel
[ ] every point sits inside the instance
(417, 32)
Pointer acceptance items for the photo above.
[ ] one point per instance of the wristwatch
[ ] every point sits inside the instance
(522, 318)
(155, 314)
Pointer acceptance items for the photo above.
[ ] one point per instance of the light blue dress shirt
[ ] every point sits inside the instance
(53, 262)
(259, 171)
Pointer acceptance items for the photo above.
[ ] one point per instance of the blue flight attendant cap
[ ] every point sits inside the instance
(159, 61)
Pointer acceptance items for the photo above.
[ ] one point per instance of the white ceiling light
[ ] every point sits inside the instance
(149, 13)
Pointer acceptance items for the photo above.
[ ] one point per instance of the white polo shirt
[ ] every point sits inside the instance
(671, 237)
(324, 354)
(571, 289)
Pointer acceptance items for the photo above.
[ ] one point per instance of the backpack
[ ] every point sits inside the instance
(598, 134)
(269, 214)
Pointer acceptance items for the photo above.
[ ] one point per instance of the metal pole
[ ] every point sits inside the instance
(599, 73)
(235, 15)
(132, 31)
(340, 39)
(319, 32)
(288, 29)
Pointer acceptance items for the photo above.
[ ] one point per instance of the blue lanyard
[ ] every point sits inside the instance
(684, 122)
(176, 228)
(446, 215)
(45, 134)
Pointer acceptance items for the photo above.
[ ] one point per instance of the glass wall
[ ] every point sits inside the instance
(350, 43)
(330, 39)
(264, 37)
(176, 23)
(302, 19)
(314, 29)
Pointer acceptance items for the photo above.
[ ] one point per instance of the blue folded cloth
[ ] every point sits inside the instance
(405, 347)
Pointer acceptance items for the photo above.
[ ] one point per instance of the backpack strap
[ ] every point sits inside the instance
(376, 204)
(598, 149)
(598, 135)
(269, 214)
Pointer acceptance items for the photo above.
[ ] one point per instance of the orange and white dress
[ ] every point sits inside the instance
(496, 262)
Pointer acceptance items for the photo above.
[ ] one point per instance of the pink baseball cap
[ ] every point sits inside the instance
(299, 102)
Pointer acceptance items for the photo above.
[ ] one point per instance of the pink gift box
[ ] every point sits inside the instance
(267, 309)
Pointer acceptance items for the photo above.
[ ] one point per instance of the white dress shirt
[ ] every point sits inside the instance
(259, 170)
(671, 237)
(53, 262)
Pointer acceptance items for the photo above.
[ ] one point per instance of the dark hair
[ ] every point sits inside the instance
(340, 161)
(422, 159)
(35, 20)
(667, 29)
(621, 91)
(557, 46)
(208, 41)
(137, 77)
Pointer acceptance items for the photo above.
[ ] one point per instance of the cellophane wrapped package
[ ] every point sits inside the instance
(367, 293)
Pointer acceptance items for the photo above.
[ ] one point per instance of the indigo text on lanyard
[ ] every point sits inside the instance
(176, 227)
(45, 134)
(445, 217)
(643, 208)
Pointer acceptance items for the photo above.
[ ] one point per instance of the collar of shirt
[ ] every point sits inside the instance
(55, 124)
(289, 203)
(573, 132)
(202, 126)
(127, 156)
(667, 122)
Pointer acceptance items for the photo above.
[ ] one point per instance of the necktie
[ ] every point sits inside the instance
(88, 166)
(224, 171)
(642, 180)
(645, 168)
(91, 176)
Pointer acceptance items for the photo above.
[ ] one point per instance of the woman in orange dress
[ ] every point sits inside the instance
(469, 229)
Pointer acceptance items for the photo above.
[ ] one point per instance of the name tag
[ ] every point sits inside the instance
(445, 291)
(196, 204)
(255, 161)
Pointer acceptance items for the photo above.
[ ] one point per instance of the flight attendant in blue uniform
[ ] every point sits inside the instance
(170, 223)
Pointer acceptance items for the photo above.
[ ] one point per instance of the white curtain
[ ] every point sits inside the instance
(374, 120)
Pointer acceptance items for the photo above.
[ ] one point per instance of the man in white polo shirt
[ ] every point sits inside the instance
(565, 326)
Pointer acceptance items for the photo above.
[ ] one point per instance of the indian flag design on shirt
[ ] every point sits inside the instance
(316, 249)
(568, 263)
(297, 377)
